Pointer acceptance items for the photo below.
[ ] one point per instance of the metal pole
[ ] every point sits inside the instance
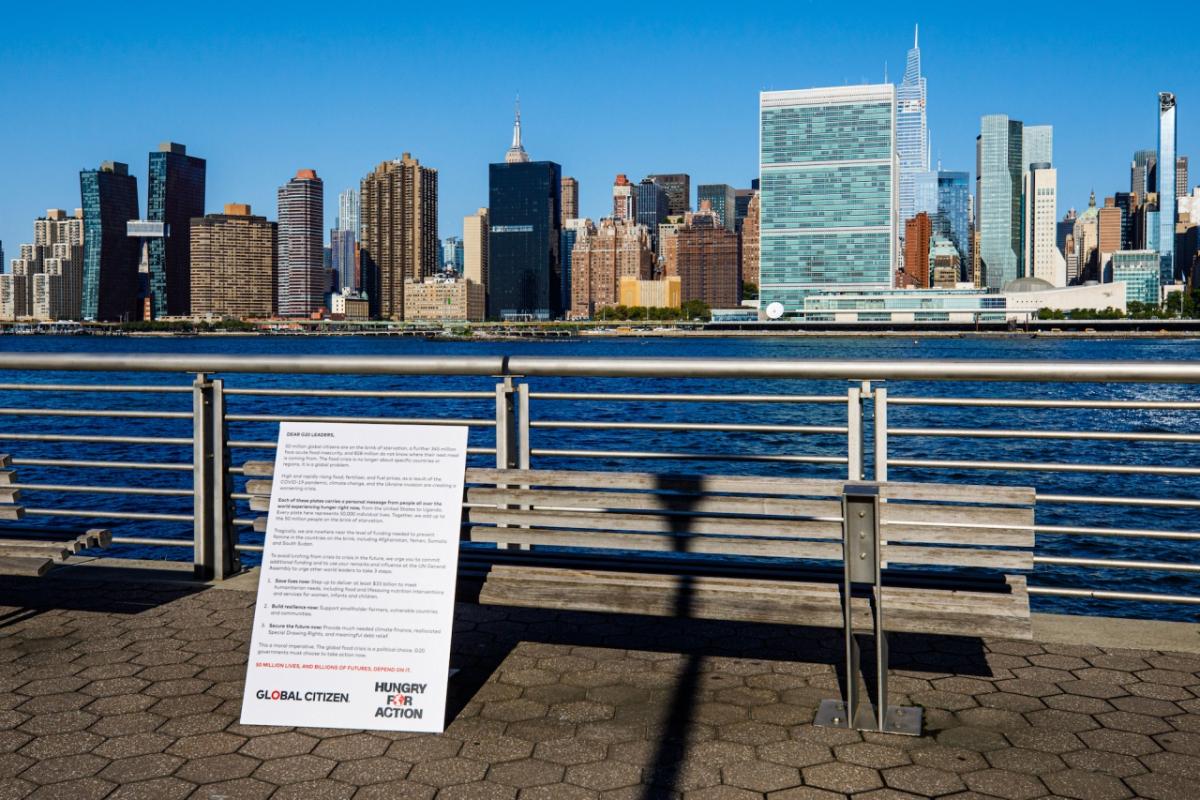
(881, 434)
(507, 443)
(854, 434)
(202, 478)
(523, 426)
(226, 561)
(862, 570)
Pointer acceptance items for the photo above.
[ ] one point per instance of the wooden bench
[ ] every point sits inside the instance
(911, 557)
(33, 551)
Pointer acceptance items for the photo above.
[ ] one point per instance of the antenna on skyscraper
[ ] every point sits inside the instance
(885, 80)
(916, 30)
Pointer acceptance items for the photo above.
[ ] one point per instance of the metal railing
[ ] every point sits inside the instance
(837, 418)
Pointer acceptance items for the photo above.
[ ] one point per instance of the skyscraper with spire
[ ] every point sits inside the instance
(525, 278)
(912, 135)
(516, 154)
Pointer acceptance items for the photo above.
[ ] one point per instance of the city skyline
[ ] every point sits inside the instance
(972, 68)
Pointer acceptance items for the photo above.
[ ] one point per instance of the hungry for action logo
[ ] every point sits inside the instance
(399, 700)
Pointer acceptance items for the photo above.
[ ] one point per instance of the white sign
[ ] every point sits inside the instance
(356, 594)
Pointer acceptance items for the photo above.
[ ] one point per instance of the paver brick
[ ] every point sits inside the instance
(1161, 786)
(1118, 766)
(845, 778)
(603, 775)
(153, 789)
(315, 790)
(215, 769)
(1005, 784)
(526, 772)
(448, 772)
(1081, 785)
(922, 780)
(760, 777)
(91, 788)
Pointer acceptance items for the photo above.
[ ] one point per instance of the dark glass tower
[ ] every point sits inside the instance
(524, 268)
(653, 205)
(110, 255)
(952, 220)
(175, 195)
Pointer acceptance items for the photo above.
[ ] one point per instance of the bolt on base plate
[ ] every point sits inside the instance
(905, 720)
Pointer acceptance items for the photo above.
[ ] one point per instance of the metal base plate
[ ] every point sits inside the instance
(905, 720)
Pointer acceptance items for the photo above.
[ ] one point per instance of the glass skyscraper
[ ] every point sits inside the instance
(720, 197)
(741, 205)
(1037, 145)
(828, 191)
(174, 197)
(952, 219)
(347, 219)
(452, 253)
(110, 256)
(912, 134)
(342, 258)
(1166, 185)
(525, 211)
(653, 204)
(999, 172)
(925, 193)
(1141, 173)
(679, 190)
(343, 241)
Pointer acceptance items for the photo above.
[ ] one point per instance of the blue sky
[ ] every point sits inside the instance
(263, 89)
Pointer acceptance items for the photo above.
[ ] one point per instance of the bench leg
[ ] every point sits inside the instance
(862, 570)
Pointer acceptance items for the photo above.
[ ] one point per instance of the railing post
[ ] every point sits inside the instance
(881, 434)
(523, 425)
(862, 573)
(203, 563)
(507, 435)
(226, 561)
(854, 434)
(214, 556)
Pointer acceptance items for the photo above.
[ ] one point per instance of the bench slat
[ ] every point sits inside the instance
(930, 514)
(745, 546)
(935, 534)
(958, 557)
(647, 481)
(31, 566)
(907, 610)
(660, 542)
(657, 523)
(56, 552)
(763, 506)
(959, 492)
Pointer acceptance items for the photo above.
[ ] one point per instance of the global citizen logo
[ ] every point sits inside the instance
(399, 700)
(288, 695)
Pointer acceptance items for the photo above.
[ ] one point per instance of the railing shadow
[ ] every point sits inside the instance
(107, 589)
(672, 745)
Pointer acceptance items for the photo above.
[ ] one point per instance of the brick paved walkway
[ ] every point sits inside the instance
(131, 690)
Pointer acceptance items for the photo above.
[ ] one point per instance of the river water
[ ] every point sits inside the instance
(706, 442)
